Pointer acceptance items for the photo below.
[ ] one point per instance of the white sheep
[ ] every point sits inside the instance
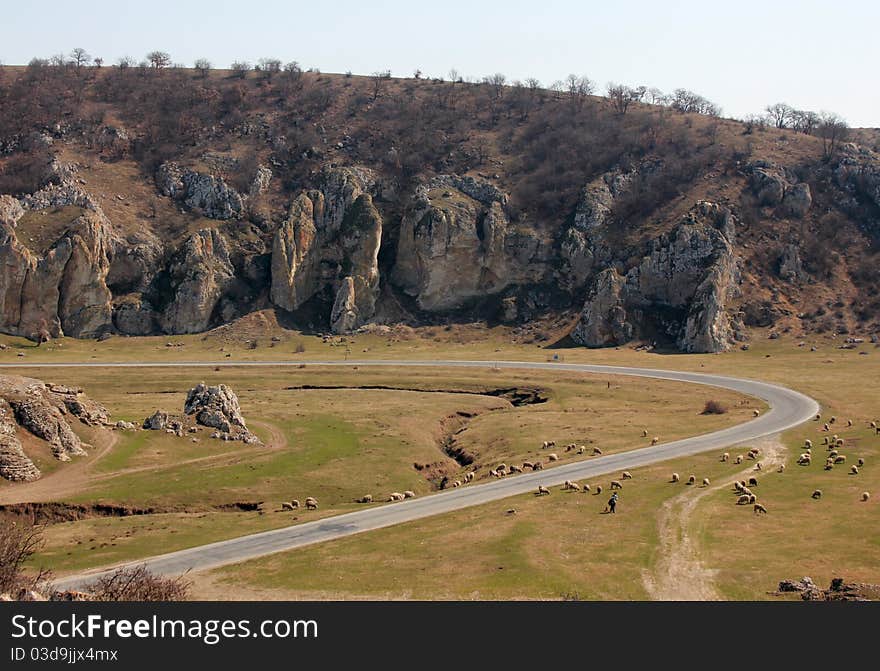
(705, 482)
(582, 449)
(515, 469)
(366, 498)
(311, 503)
(539, 466)
(781, 468)
(849, 422)
(457, 483)
(742, 500)
(586, 488)
(752, 498)
(817, 494)
(866, 496)
(287, 505)
(528, 464)
(552, 457)
(575, 487)
(756, 412)
(725, 457)
(758, 466)
(395, 496)
(692, 479)
(598, 490)
(542, 490)
(616, 485)
(760, 509)
(675, 477)
(596, 451)
(644, 433)
(626, 475)
(860, 462)
(840, 459)
(409, 494)
(833, 419)
(469, 476)
(739, 459)
(808, 443)
(853, 470)
(655, 440)
(753, 482)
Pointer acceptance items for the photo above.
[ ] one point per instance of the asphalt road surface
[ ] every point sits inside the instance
(787, 409)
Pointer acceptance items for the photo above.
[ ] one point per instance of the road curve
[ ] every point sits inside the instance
(787, 409)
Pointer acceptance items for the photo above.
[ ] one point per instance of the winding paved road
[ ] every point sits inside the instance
(787, 409)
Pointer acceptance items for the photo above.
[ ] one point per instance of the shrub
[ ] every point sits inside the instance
(713, 407)
(139, 584)
(18, 543)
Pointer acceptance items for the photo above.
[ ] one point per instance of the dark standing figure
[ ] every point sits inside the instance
(612, 503)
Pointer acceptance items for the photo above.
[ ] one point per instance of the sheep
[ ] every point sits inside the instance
(753, 482)
(615, 484)
(725, 457)
(756, 412)
(545, 445)
(598, 490)
(833, 454)
(692, 479)
(511, 511)
(469, 476)
(742, 500)
(528, 464)
(873, 425)
(818, 417)
(395, 496)
(655, 440)
(751, 455)
(575, 487)
(586, 488)
(311, 503)
(705, 482)
(737, 486)
(866, 496)
(457, 483)
(552, 457)
(539, 466)
(839, 442)
(567, 484)
(853, 470)
(596, 451)
(829, 465)
(804, 460)
(781, 468)
(840, 460)
(409, 494)
(582, 449)
(860, 463)
(675, 477)
(817, 494)
(366, 498)
(294, 503)
(758, 466)
(644, 433)
(760, 509)
(626, 475)
(515, 469)
(542, 490)
(833, 419)
(808, 443)
(739, 459)
(825, 427)
(849, 422)
(287, 505)
(752, 498)
(825, 440)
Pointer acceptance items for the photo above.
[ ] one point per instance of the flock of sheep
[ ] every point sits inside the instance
(742, 488)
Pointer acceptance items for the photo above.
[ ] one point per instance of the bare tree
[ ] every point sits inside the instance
(833, 130)
(780, 114)
(125, 62)
(454, 76)
(99, 62)
(656, 96)
(578, 89)
(688, 101)
(159, 59)
(804, 121)
(241, 68)
(18, 543)
(80, 57)
(269, 67)
(623, 96)
(379, 79)
(203, 66)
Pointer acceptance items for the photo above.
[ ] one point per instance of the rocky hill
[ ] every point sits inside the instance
(143, 202)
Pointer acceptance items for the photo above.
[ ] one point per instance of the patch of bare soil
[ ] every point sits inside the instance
(679, 574)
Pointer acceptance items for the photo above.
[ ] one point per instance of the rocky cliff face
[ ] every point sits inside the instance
(681, 289)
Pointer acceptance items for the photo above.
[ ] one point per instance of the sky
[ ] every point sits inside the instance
(741, 54)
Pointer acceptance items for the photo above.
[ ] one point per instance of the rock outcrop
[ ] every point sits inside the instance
(453, 248)
(217, 407)
(199, 274)
(681, 289)
(774, 185)
(211, 195)
(63, 291)
(15, 465)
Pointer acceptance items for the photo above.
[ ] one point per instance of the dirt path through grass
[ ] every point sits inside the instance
(679, 573)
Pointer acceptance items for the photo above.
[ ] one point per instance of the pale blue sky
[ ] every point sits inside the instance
(742, 54)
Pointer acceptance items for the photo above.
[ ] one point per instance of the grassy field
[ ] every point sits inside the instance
(341, 444)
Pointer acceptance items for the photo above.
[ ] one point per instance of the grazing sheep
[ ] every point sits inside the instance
(616, 485)
(853, 470)
(742, 500)
(655, 440)
(457, 483)
(596, 451)
(539, 466)
(804, 460)
(542, 490)
(752, 498)
(866, 496)
(873, 425)
(570, 447)
(840, 460)
(756, 412)
(746, 491)
(545, 445)
(781, 468)
(644, 433)
(725, 457)
(409, 494)
(586, 488)
(849, 422)
(528, 464)
(818, 417)
(511, 511)
(675, 477)
(705, 482)
(311, 503)
(552, 457)
(751, 455)
(515, 469)
(582, 449)
(832, 420)
(753, 482)
(626, 475)
(287, 505)
(760, 509)
(294, 503)
(832, 454)
(598, 490)
(829, 465)
(575, 487)
(469, 476)
(860, 462)
(758, 466)
(366, 498)
(738, 486)
(739, 459)
(825, 427)
(567, 484)
(817, 494)
(692, 479)
(825, 440)
(839, 442)
(808, 443)
(395, 496)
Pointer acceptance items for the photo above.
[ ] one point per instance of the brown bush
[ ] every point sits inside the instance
(139, 584)
(713, 407)
(18, 543)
